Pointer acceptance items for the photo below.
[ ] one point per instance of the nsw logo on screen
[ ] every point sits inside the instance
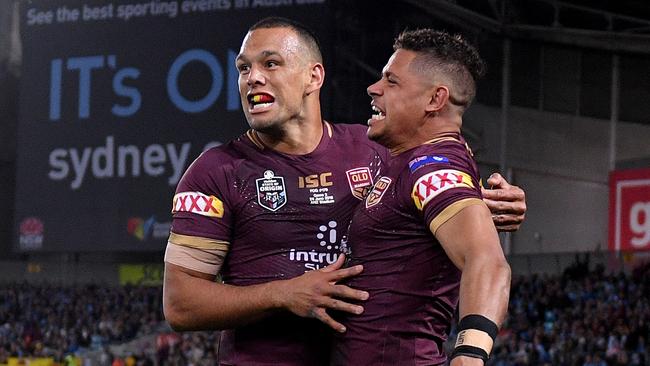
(147, 229)
(31, 233)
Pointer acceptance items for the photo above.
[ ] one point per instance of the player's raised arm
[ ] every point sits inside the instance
(506, 202)
(471, 242)
(192, 300)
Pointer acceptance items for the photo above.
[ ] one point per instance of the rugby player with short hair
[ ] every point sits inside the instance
(424, 236)
(267, 211)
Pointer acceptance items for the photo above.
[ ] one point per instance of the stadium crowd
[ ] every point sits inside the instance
(54, 321)
(581, 318)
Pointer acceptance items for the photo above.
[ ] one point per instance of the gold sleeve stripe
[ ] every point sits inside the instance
(475, 338)
(452, 210)
(197, 242)
(329, 129)
(254, 139)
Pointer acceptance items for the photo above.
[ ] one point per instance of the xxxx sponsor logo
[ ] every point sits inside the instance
(198, 203)
(432, 184)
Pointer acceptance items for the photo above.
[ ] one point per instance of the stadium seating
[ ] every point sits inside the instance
(582, 317)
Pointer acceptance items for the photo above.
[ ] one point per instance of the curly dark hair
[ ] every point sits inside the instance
(446, 53)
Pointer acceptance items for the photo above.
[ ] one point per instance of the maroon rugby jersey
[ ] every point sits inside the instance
(278, 216)
(413, 285)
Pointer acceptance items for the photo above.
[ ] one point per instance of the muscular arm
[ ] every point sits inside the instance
(192, 300)
(470, 240)
(506, 202)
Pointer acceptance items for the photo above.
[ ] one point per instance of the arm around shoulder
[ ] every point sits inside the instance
(506, 202)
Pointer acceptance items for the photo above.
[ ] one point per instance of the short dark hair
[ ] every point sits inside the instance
(308, 37)
(448, 53)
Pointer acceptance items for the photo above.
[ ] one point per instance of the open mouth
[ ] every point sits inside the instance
(377, 113)
(260, 100)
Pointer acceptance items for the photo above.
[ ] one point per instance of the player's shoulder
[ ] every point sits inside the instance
(453, 143)
(217, 162)
(444, 153)
(213, 158)
(224, 155)
(355, 134)
(354, 131)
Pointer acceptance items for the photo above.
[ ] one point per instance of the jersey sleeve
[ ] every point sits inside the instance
(443, 180)
(202, 217)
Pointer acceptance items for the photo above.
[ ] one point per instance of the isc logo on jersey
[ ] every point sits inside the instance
(198, 203)
(432, 184)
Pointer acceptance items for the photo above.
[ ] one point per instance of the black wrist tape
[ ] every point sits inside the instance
(475, 321)
(476, 335)
(469, 351)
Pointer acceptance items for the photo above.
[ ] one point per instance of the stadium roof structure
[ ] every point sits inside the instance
(620, 27)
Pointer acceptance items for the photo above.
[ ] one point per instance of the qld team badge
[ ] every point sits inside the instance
(271, 192)
(360, 181)
(378, 191)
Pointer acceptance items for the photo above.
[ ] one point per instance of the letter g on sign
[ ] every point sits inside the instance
(640, 224)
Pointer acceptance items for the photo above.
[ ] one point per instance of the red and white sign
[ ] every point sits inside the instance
(629, 210)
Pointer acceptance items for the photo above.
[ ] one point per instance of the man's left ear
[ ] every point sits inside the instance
(316, 79)
(438, 99)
